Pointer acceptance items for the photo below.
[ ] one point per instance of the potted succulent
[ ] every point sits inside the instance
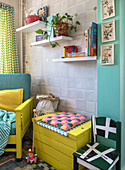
(63, 25)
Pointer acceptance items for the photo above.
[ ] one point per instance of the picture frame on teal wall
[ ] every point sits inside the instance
(108, 31)
(107, 9)
(107, 54)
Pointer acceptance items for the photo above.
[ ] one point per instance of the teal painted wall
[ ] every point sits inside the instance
(108, 77)
(111, 79)
(122, 77)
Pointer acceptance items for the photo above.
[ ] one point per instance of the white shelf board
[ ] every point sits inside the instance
(32, 27)
(65, 60)
(46, 42)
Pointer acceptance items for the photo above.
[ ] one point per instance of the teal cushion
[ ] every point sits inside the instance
(13, 128)
(16, 81)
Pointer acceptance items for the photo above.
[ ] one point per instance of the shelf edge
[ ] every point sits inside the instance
(89, 58)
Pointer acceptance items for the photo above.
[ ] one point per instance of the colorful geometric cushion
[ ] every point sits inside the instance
(65, 121)
(98, 155)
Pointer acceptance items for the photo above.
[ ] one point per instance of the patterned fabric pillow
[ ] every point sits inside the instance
(65, 121)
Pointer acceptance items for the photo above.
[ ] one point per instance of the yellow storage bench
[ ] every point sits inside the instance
(58, 150)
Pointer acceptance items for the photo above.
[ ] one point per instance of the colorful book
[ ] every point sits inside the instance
(88, 42)
(94, 39)
(79, 54)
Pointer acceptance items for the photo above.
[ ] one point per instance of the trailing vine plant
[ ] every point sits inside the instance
(59, 29)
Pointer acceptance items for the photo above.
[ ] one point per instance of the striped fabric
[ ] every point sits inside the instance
(8, 46)
(5, 126)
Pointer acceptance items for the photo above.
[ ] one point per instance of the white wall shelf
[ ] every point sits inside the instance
(46, 42)
(66, 60)
(32, 27)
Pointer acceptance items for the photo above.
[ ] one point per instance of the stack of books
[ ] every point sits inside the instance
(91, 40)
(78, 54)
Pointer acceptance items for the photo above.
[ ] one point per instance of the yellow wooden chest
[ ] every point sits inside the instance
(57, 150)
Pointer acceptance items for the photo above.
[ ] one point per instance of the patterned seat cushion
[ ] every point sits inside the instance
(98, 155)
(65, 121)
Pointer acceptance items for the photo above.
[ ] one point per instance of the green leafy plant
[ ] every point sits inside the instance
(60, 27)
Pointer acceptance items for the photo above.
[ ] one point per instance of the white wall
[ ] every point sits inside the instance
(75, 83)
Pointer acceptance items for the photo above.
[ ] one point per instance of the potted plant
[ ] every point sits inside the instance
(63, 25)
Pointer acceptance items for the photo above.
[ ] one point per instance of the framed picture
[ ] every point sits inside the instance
(108, 8)
(108, 31)
(107, 54)
(43, 13)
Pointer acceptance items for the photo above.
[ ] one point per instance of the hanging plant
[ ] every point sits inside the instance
(63, 26)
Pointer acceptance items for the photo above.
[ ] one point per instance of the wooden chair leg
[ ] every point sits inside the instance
(75, 163)
(18, 136)
(19, 150)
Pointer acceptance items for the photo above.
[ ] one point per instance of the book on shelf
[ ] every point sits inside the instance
(94, 39)
(88, 42)
(78, 54)
(91, 40)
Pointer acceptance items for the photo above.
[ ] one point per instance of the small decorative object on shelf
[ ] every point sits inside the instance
(108, 8)
(63, 25)
(107, 54)
(41, 37)
(50, 30)
(32, 18)
(43, 13)
(69, 49)
(108, 31)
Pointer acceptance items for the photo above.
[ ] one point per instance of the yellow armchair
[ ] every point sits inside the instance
(23, 111)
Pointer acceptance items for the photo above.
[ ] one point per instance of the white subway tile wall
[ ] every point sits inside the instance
(74, 83)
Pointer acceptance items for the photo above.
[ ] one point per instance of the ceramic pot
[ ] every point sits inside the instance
(62, 31)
